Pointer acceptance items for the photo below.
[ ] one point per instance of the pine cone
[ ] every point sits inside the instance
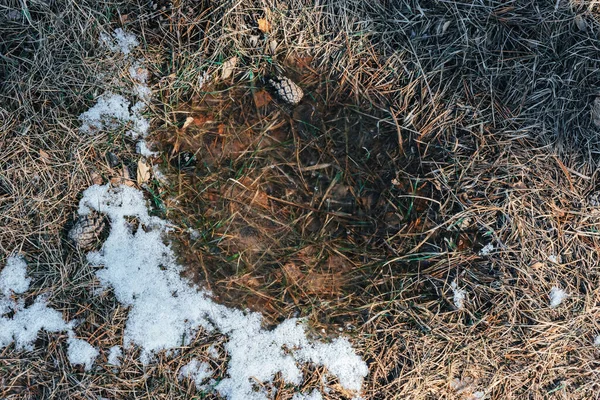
(287, 90)
(87, 230)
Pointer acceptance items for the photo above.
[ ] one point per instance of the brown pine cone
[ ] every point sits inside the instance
(86, 232)
(287, 90)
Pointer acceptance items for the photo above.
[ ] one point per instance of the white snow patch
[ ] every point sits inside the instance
(13, 278)
(114, 356)
(314, 395)
(166, 312)
(23, 327)
(194, 234)
(459, 295)
(141, 147)
(81, 352)
(158, 174)
(597, 341)
(196, 371)
(25, 323)
(213, 352)
(144, 93)
(120, 41)
(112, 111)
(138, 72)
(486, 250)
(557, 295)
(553, 259)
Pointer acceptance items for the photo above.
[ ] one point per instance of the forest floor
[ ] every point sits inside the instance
(432, 201)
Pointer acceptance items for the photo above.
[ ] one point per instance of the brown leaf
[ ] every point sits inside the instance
(264, 25)
(122, 179)
(262, 98)
(143, 172)
(228, 67)
(96, 178)
(45, 157)
(292, 273)
(202, 119)
(537, 265)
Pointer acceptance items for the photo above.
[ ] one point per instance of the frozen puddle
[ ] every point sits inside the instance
(166, 311)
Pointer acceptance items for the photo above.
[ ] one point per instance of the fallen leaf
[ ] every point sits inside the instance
(188, 122)
(123, 178)
(228, 67)
(580, 22)
(292, 273)
(262, 98)
(273, 46)
(264, 25)
(202, 119)
(143, 172)
(45, 157)
(96, 178)
(303, 62)
(253, 40)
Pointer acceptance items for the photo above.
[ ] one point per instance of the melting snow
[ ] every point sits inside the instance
(23, 327)
(113, 111)
(166, 311)
(120, 41)
(141, 147)
(486, 250)
(114, 355)
(213, 352)
(459, 295)
(557, 295)
(314, 395)
(13, 277)
(25, 323)
(197, 371)
(81, 352)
